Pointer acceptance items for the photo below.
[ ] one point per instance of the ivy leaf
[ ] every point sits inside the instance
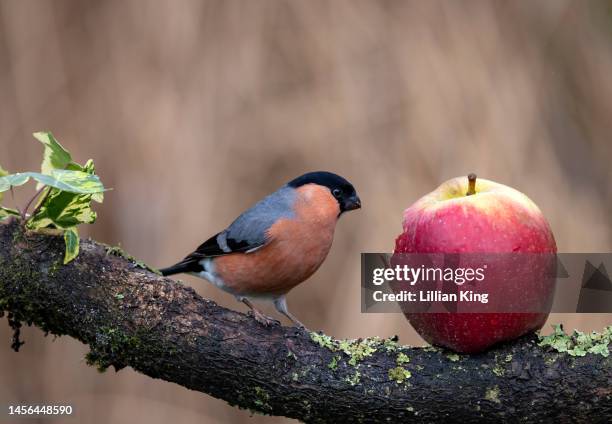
(71, 181)
(62, 209)
(71, 238)
(13, 180)
(54, 156)
(91, 169)
(6, 212)
(66, 200)
(3, 173)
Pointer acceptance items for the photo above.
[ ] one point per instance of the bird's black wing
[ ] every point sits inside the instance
(211, 248)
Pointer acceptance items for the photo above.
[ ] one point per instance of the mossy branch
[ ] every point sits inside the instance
(130, 316)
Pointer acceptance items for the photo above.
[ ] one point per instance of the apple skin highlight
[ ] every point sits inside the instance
(494, 219)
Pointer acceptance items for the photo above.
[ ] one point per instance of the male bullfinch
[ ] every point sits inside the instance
(276, 244)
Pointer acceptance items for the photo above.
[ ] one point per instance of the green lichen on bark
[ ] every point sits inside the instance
(578, 343)
(358, 349)
(23, 301)
(492, 394)
(453, 357)
(333, 365)
(354, 379)
(261, 398)
(402, 358)
(113, 346)
(498, 370)
(118, 251)
(399, 374)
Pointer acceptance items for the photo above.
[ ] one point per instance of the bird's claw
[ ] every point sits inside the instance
(264, 320)
(300, 326)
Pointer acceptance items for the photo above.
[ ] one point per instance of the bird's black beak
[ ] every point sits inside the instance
(352, 203)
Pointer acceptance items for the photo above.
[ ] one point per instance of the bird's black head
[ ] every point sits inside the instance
(341, 189)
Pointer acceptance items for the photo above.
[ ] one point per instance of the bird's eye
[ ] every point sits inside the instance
(337, 193)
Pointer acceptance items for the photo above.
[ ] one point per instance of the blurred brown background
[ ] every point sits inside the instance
(193, 110)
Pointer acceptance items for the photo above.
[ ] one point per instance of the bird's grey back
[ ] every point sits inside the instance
(251, 225)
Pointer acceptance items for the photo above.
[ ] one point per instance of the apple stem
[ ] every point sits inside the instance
(471, 184)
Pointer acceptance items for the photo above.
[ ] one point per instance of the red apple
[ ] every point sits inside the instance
(469, 217)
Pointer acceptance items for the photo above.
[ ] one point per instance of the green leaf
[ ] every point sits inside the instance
(54, 156)
(63, 209)
(78, 182)
(71, 238)
(91, 169)
(68, 203)
(3, 173)
(6, 212)
(14, 180)
(72, 181)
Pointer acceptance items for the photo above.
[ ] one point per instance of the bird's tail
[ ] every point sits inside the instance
(184, 266)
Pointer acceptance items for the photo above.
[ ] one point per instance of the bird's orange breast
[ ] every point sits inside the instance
(296, 249)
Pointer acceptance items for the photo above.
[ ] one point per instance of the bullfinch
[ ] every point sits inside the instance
(276, 244)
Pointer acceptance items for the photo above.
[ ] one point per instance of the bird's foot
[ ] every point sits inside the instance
(280, 303)
(263, 319)
(299, 325)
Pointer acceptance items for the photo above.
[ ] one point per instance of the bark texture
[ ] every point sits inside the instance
(130, 316)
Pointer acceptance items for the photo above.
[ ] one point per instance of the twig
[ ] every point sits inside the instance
(25, 210)
(40, 203)
(13, 198)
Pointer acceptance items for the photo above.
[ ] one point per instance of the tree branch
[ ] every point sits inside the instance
(132, 317)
